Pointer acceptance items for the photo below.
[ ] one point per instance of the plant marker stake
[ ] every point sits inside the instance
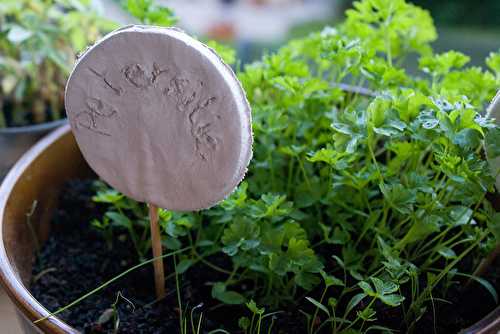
(157, 252)
(162, 119)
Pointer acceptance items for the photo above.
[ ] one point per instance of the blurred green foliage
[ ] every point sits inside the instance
(463, 12)
(39, 40)
(148, 12)
(458, 12)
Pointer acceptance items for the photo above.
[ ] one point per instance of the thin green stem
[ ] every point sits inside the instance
(213, 266)
(290, 175)
(439, 245)
(132, 234)
(317, 309)
(419, 300)
(356, 320)
(271, 169)
(99, 288)
(259, 323)
(375, 162)
(228, 281)
(178, 292)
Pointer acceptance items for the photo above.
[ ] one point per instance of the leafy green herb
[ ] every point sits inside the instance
(368, 187)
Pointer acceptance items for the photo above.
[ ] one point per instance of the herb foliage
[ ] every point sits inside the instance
(368, 187)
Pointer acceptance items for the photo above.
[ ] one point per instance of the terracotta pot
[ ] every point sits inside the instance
(39, 175)
(17, 140)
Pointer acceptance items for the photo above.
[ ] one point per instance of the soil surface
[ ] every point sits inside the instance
(76, 259)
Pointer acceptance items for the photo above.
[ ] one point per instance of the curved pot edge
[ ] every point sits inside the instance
(488, 324)
(36, 128)
(18, 293)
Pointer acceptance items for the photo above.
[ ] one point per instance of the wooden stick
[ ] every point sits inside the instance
(157, 251)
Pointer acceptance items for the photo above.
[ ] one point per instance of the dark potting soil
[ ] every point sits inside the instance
(76, 259)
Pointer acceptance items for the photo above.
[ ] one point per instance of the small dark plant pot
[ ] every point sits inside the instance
(39, 176)
(17, 140)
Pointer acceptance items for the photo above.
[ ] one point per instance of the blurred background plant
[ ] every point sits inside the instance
(39, 41)
(148, 12)
(463, 12)
(255, 26)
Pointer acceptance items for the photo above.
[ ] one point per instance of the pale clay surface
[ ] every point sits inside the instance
(160, 117)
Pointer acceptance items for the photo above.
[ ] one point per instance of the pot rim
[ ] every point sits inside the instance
(19, 294)
(35, 128)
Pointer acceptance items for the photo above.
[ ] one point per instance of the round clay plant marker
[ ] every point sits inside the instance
(162, 119)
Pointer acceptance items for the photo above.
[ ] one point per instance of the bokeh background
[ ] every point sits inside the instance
(257, 26)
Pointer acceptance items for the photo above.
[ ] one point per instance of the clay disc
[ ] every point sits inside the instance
(160, 118)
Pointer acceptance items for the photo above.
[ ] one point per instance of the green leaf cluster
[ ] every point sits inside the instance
(148, 12)
(361, 171)
(265, 237)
